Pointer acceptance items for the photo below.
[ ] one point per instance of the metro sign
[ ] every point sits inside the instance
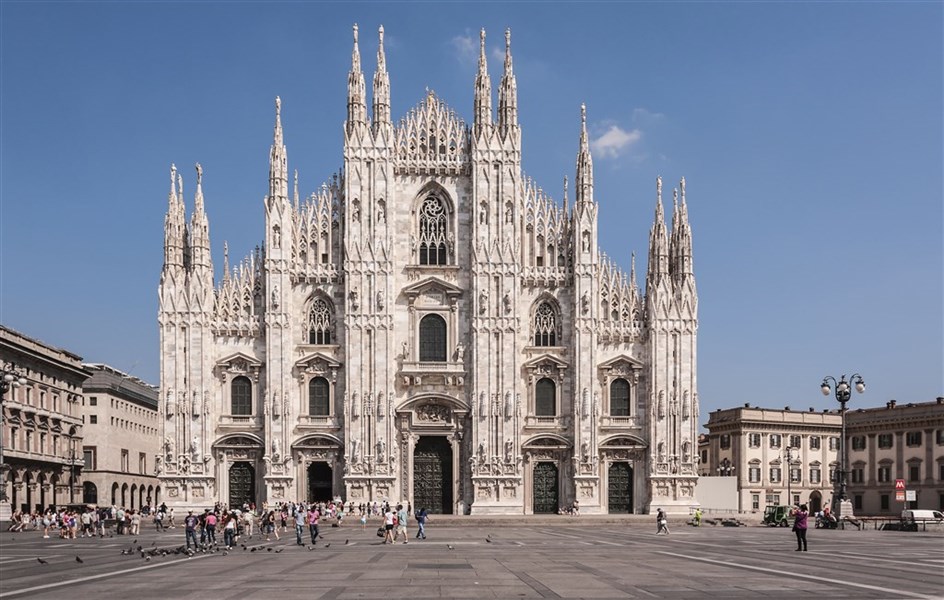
(899, 484)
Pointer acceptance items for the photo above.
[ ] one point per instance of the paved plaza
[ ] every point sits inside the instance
(576, 559)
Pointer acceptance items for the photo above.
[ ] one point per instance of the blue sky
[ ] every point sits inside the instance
(809, 134)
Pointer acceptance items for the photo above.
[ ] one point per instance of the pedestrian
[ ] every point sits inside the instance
(190, 527)
(402, 516)
(663, 522)
(388, 526)
(159, 521)
(229, 531)
(211, 521)
(696, 520)
(301, 519)
(135, 522)
(799, 526)
(421, 518)
(313, 516)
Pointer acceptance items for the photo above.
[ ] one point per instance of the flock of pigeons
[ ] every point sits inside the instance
(154, 551)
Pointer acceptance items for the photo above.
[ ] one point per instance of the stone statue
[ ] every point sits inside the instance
(509, 448)
(660, 454)
(585, 452)
(481, 452)
(585, 303)
(380, 300)
(355, 451)
(460, 352)
(194, 451)
(276, 449)
(158, 464)
(506, 301)
(483, 300)
(169, 448)
(275, 296)
(276, 237)
(381, 450)
(404, 346)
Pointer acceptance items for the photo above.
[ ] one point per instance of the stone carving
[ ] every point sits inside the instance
(381, 450)
(506, 302)
(661, 404)
(276, 449)
(433, 413)
(169, 449)
(686, 406)
(460, 353)
(585, 403)
(380, 300)
(483, 301)
(483, 411)
(355, 304)
(509, 408)
(276, 237)
(355, 405)
(355, 451)
(404, 353)
(509, 450)
(585, 452)
(481, 452)
(275, 296)
(158, 464)
(660, 452)
(686, 451)
(585, 303)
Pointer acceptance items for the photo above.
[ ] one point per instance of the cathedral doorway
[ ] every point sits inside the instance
(620, 488)
(320, 482)
(545, 488)
(432, 475)
(242, 484)
(816, 502)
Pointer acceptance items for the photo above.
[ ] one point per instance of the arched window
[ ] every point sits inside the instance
(89, 493)
(241, 392)
(433, 339)
(318, 405)
(545, 325)
(545, 401)
(619, 398)
(432, 238)
(319, 322)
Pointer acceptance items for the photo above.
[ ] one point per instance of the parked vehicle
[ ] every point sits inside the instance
(776, 516)
(911, 515)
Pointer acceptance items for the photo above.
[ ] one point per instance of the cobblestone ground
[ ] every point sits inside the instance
(538, 561)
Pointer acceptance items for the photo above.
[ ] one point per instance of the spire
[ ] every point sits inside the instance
(225, 261)
(295, 196)
(508, 92)
(632, 274)
(658, 241)
(566, 199)
(174, 226)
(356, 90)
(584, 163)
(381, 85)
(684, 241)
(278, 158)
(199, 227)
(483, 89)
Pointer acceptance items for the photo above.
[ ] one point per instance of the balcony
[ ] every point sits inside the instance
(240, 422)
(433, 373)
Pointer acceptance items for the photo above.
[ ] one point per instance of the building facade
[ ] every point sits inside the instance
(897, 441)
(778, 456)
(429, 325)
(42, 425)
(122, 439)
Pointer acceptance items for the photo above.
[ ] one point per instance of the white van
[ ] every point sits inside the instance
(913, 515)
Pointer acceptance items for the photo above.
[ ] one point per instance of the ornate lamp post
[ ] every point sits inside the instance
(726, 468)
(788, 456)
(9, 378)
(72, 431)
(843, 390)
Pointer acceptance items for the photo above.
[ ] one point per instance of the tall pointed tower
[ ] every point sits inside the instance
(672, 323)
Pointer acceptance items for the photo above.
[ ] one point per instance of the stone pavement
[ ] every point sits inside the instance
(573, 559)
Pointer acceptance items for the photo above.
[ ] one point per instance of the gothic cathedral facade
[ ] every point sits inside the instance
(429, 326)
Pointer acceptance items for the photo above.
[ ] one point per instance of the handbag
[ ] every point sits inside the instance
(380, 531)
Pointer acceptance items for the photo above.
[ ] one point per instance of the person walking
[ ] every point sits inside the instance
(301, 519)
(696, 520)
(421, 518)
(663, 522)
(388, 526)
(799, 526)
(402, 516)
(313, 516)
(190, 527)
(229, 531)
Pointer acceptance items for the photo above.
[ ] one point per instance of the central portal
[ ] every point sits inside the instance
(320, 482)
(432, 475)
(242, 484)
(545, 488)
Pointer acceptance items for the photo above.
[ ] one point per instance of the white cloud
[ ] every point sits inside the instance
(466, 47)
(614, 141)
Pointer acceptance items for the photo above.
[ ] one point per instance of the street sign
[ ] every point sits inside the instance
(911, 496)
(899, 484)
(900, 496)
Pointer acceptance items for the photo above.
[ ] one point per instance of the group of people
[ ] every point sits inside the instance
(72, 522)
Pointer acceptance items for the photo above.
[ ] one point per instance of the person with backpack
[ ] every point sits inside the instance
(421, 518)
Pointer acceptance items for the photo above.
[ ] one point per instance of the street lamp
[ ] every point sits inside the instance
(726, 468)
(72, 431)
(10, 379)
(788, 455)
(843, 390)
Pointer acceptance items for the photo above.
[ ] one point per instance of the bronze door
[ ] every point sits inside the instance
(432, 475)
(620, 488)
(320, 482)
(242, 484)
(545, 488)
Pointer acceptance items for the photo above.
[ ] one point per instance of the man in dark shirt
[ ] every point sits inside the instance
(190, 525)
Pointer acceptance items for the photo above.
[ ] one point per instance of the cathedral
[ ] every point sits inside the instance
(429, 326)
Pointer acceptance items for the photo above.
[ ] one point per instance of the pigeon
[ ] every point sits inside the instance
(346, 542)
(225, 553)
(42, 562)
(147, 558)
(328, 545)
(488, 541)
(154, 544)
(320, 537)
(134, 542)
(79, 560)
(125, 553)
(310, 548)
(450, 547)
(279, 550)
(253, 549)
(245, 548)
(269, 549)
